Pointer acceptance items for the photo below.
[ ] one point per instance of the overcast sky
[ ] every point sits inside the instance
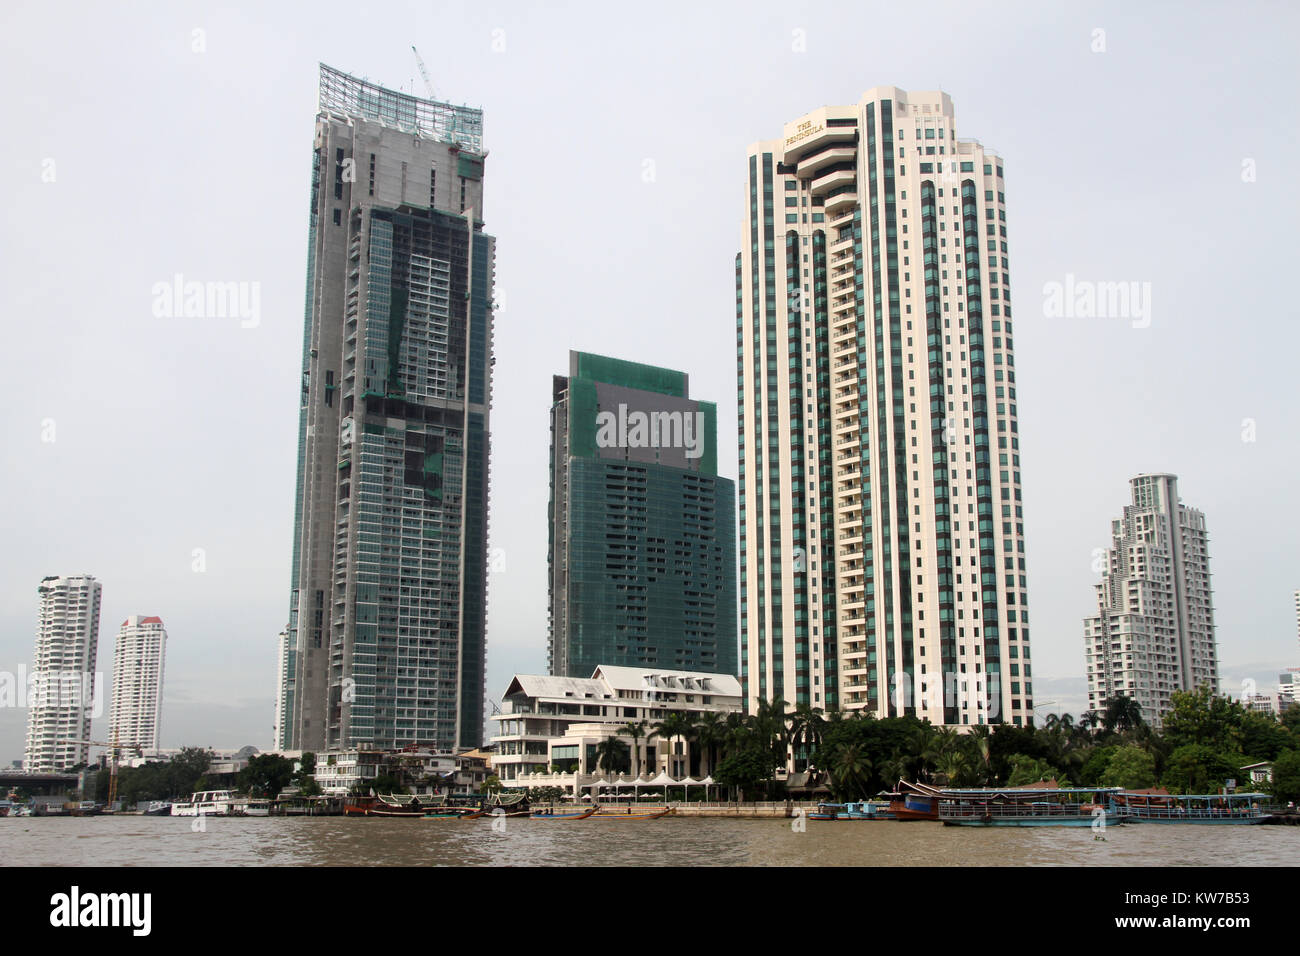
(1148, 143)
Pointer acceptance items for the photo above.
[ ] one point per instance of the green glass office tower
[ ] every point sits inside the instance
(390, 546)
(642, 535)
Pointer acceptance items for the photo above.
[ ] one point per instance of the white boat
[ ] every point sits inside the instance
(250, 807)
(205, 803)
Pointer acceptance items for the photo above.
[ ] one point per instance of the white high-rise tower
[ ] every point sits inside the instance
(65, 682)
(135, 717)
(1154, 630)
(882, 541)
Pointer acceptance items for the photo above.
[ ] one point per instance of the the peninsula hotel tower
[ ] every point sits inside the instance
(881, 537)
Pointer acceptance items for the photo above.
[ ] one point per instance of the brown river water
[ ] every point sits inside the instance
(681, 841)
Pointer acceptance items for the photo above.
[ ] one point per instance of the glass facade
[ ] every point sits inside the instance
(642, 553)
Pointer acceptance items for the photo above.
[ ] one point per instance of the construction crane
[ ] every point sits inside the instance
(428, 83)
(115, 749)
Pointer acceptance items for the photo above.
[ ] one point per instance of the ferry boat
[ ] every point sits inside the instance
(1160, 806)
(1028, 807)
(205, 803)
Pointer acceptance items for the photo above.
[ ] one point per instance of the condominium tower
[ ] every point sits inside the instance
(882, 542)
(64, 681)
(388, 593)
(135, 717)
(1153, 632)
(642, 529)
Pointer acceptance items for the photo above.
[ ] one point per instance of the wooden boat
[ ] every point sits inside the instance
(454, 813)
(1160, 806)
(552, 813)
(631, 813)
(1034, 806)
(914, 801)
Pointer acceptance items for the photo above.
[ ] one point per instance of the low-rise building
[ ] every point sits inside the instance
(548, 721)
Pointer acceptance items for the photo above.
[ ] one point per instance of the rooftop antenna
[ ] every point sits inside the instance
(423, 72)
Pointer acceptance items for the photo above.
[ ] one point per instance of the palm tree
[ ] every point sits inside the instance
(711, 731)
(954, 765)
(893, 769)
(610, 754)
(676, 724)
(1122, 714)
(806, 728)
(636, 729)
(980, 738)
(849, 772)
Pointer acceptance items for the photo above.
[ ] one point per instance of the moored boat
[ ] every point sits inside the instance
(205, 803)
(554, 813)
(1033, 806)
(914, 801)
(631, 813)
(1160, 806)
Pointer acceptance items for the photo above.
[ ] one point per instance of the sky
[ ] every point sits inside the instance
(1152, 144)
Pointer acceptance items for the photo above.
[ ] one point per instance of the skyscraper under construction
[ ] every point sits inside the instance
(386, 618)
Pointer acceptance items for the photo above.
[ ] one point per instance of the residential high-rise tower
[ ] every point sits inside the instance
(387, 608)
(882, 539)
(135, 717)
(642, 540)
(65, 683)
(1153, 632)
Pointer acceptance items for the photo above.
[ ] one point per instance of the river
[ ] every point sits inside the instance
(343, 841)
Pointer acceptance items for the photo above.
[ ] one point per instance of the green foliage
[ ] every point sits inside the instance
(1199, 717)
(1286, 777)
(1094, 767)
(1196, 768)
(1263, 736)
(385, 783)
(265, 776)
(1026, 770)
(746, 770)
(1131, 767)
(176, 778)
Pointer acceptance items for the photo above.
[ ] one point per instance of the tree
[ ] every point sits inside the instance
(746, 770)
(1096, 765)
(265, 775)
(383, 783)
(612, 755)
(711, 733)
(806, 727)
(1199, 717)
(492, 784)
(185, 769)
(1196, 768)
(636, 730)
(676, 725)
(1130, 767)
(1262, 736)
(1027, 770)
(1286, 777)
(1121, 714)
(849, 773)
